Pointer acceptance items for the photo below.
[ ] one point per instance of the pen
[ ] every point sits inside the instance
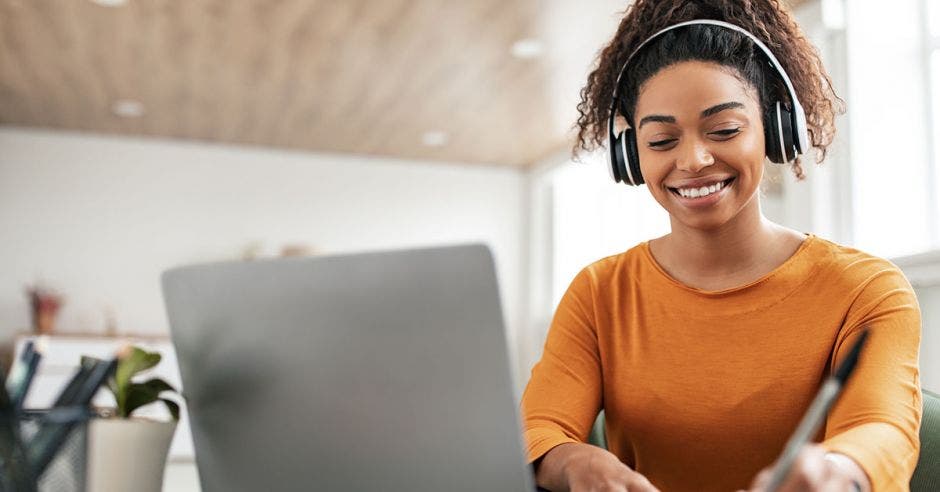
(17, 374)
(21, 376)
(79, 393)
(15, 464)
(67, 395)
(815, 415)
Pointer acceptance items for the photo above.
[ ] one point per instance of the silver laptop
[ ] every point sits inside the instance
(381, 371)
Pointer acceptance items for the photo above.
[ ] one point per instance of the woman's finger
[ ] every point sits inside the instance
(762, 478)
(809, 472)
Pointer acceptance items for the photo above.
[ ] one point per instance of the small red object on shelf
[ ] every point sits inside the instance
(44, 307)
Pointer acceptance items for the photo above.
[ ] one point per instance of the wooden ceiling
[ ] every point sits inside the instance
(357, 76)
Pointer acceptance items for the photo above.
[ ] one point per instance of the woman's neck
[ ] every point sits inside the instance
(742, 250)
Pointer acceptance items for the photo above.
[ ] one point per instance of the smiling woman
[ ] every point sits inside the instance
(701, 144)
(705, 346)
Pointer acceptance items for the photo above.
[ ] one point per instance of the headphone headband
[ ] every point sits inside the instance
(802, 141)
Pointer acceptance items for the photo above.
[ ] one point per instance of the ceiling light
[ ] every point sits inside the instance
(435, 138)
(110, 3)
(527, 48)
(128, 108)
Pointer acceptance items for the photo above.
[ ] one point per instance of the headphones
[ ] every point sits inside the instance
(784, 127)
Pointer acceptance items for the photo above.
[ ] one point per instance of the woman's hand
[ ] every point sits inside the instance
(587, 468)
(814, 471)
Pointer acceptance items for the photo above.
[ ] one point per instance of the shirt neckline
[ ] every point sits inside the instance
(791, 265)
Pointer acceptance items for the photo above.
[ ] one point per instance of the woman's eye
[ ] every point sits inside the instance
(727, 133)
(658, 144)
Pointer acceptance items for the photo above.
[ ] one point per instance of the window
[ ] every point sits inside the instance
(892, 112)
(594, 217)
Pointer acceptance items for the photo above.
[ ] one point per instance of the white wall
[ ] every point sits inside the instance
(100, 217)
(929, 299)
(923, 270)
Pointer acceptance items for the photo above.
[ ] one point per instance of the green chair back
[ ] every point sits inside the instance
(927, 474)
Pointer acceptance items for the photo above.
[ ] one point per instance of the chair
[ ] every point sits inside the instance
(927, 474)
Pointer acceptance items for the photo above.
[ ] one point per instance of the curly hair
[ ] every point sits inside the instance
(765, 19)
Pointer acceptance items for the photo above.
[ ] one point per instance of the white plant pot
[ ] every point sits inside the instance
(127, 454)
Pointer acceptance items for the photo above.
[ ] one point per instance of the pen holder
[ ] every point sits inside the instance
(66, 472)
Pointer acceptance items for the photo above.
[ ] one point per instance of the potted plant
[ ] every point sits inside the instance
(126, 451)
(44, 307)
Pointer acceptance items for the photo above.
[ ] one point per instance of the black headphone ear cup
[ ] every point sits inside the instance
(632, 158)
(772, 136)
(786, 131)
(623, 146)
(616, 158)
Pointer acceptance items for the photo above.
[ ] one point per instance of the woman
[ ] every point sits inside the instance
(705, 346)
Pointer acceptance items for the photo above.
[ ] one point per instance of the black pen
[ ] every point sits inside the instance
(21, 376)
(67, 396)
(18, 369)
(78, 394)
(816, 414)
(15, 463)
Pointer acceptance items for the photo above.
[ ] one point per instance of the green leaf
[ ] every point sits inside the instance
(131, 395)
(173, 407)
(140, 394)
(158, 385)
(138, 360)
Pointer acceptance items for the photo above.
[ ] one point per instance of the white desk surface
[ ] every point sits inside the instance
(181, 476)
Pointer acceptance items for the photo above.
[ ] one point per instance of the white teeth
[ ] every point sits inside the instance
(700, 192)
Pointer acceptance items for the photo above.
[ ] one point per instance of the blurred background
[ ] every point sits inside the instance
(137, 135)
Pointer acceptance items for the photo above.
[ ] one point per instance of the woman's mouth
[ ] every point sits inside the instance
(702, 196)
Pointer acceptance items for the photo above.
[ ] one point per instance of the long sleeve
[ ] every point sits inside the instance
(877, 419)
(563, 396)
(701, 389)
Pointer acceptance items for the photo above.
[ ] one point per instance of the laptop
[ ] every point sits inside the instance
(378, 371)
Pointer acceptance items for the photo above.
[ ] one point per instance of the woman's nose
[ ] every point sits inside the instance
(695, 157)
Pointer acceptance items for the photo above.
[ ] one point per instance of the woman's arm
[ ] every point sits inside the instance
(578, 466)
(563, 395)
(562, 399)
(876, 420)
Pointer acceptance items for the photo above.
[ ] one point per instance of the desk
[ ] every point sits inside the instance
(181, 476)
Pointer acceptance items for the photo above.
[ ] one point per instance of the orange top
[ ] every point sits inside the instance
(702, 389)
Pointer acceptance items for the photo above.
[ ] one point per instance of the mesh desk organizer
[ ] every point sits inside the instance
(46, 450)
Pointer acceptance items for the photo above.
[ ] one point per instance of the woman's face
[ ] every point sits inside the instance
(700, 139)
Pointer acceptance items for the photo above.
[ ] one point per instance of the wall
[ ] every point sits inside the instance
(923, 271)
(100, 217)
(929, 299)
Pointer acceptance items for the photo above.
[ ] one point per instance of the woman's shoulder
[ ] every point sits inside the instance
(619, 263)
(853, 266)
(602, 276)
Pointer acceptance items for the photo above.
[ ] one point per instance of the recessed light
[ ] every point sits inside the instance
(128, 108)
(527, 48)
(435, 138)
(110, 3)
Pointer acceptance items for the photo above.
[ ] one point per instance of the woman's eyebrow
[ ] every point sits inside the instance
(721, 107)
(661, 118)
(656, 118)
